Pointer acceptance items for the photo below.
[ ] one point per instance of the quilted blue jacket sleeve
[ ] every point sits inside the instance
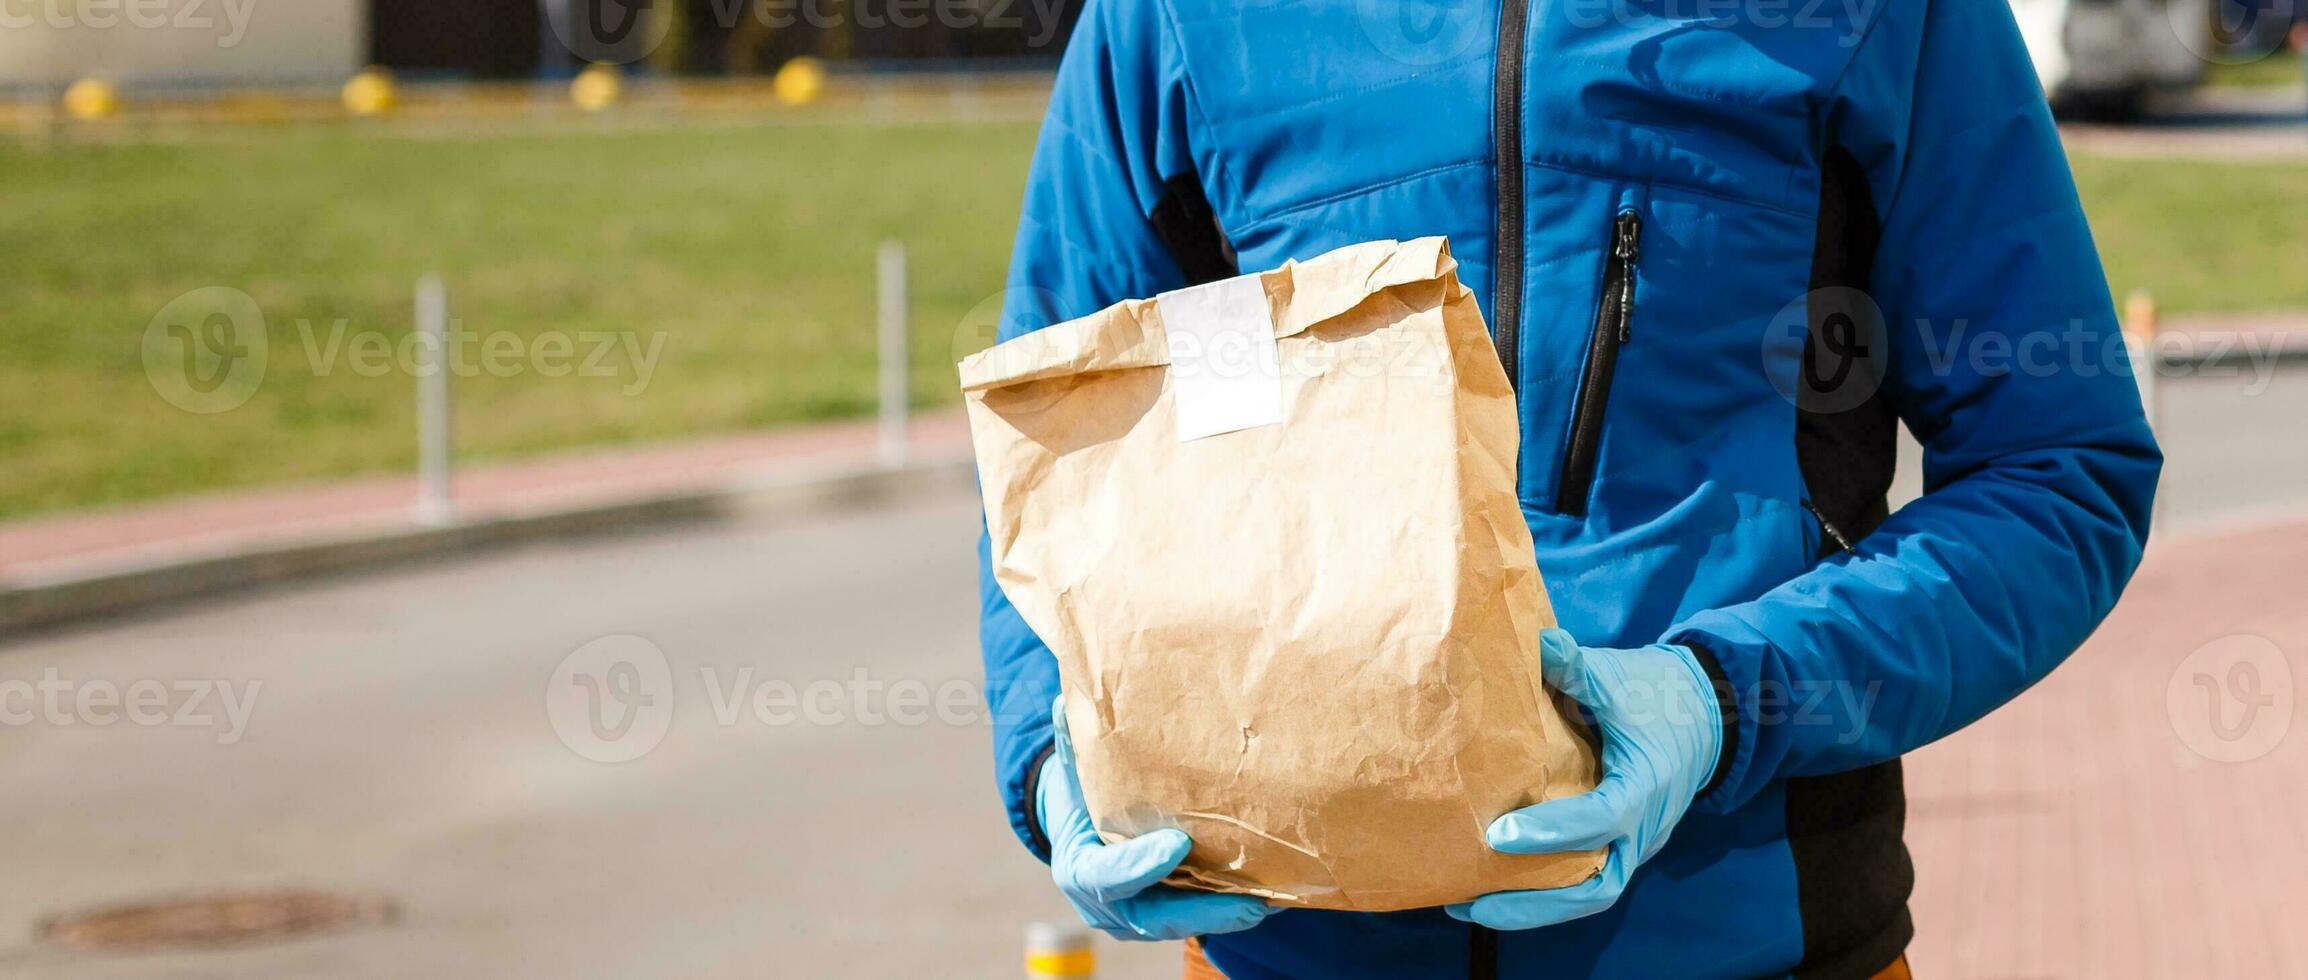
(1114, 132)
(2006, 362)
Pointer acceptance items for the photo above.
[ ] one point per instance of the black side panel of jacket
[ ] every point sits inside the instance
(1845, 430)
(1190, 232)
(1853, 873)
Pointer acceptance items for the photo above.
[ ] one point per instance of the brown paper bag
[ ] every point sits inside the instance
(1291, 593)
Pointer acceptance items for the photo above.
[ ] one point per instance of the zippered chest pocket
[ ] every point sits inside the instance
(1614, 328)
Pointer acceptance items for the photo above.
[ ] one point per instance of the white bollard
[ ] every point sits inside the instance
(433, 419)
(895, 384)
(1059, 951)
(2140, 336)
(2140, 328)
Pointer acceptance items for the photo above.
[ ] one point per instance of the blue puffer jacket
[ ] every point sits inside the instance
(1736, 245)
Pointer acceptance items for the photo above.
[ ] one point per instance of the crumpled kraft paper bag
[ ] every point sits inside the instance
(1310, 643)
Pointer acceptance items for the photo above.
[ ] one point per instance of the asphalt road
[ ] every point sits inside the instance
(402, 742)
(401, 745)
(2246, 123)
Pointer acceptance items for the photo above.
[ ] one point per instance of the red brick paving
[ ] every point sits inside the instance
(2076, 832)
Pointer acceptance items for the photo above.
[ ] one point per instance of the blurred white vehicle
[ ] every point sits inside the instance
(2102, 57)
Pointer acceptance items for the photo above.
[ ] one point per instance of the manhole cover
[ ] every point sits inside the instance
(215, 920)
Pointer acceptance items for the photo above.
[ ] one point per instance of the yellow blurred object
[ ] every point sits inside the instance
(597, 87)
(371, 93)
(2140, 315)
(91, 98)
(2140, 342)
(1081, 963)
(799, 82)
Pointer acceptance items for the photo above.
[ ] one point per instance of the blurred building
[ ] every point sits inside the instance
(261, 42)
(511, 38)
(52, 42)
(479, 38)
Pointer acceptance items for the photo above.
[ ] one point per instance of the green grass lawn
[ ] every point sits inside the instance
(2202, 236)
(747, 246)
(2278, 68)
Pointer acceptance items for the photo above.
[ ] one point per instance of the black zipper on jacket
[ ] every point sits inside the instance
(1506, 287)
(1507, 131)
(1614, 326)
(1836, 541)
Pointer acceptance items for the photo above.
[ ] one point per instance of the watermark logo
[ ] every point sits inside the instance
(2232, 699)
(1826, 351)
(1423, 32)
(981, 326)
(206, 351)
(1830, 350)
(209, 350)
(616, 32)
(611, 700)
(2236, 32)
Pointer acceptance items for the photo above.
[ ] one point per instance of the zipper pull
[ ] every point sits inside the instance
(1841, 543)
(1626, 247)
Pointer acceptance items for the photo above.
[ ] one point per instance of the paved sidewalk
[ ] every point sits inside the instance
(74, 544)
(2138, 814)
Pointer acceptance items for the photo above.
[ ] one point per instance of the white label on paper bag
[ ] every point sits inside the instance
(1225, 371)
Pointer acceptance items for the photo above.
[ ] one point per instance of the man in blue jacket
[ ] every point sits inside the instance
(1725, 249)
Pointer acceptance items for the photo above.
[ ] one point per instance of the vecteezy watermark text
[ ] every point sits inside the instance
(1831, 349)
(903, 14)
(614, 699)
(63, 702)
(626, 31)
(210, 350)
(144, 15)
(1842, 707)
(861, 699)
(1767, 14)
(628, 354)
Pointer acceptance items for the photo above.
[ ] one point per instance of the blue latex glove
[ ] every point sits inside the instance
(1114, 886)
(1662, 729)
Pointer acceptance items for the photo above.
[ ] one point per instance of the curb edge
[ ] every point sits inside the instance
(69, 597)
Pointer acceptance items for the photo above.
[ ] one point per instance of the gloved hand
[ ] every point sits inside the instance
(1662, 730)
(1113, 886)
